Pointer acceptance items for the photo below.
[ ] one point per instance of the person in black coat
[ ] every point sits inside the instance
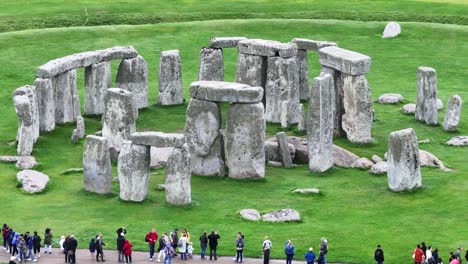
(120, 244)
(213, 243)
(379, 255)
(37, 244)
(71, 249)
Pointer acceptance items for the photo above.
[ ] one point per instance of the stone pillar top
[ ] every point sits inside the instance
(269, 48)
(309, 44)
(345, 61)
(217, 91)
(225, 42)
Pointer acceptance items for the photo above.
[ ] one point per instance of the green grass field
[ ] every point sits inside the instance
(355, 212)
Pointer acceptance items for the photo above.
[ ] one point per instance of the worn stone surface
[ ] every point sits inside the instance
(380, 167)
(63, 85)
(309, 44)
(178, 175)
(10, 159)
(225, 92)
(320, 124)
(376, 158)
(390, 98)
(303, 66)
(97, 168)
(170, 84)
(403, 161)
(284, 215)
(250, 214)
(307, 191)
(345, 61)
(26, 162)
(245, 137)
(75, 95)
(98, 78)
(118, 120)
(32, 181)
(284, 114)
(25, 135)
(275, 164)
(282, 140)
(338, 109)
(132, 75)
(80, 127)
(203, 121)
(211, 66)
(225, 42)
(46, 104)
(272, 152)
(158, 139)
(343, 158)
(392, 29)
(427, 159)
(357, 102)
(30, 92)
(408, 109)
(134, 171)
(251, 70)
(159, 156)
(302, 119)
(452, 114)
(301, 155)
(362, 163)
(458, 141)
(74, 136)
(440, 104)
(282, 85)
(426, 101)
(269, 48)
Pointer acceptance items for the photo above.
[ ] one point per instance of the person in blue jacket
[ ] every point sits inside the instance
(310, 256)
(289, 251)
(14, 242)
(31, 248)
(10, 236)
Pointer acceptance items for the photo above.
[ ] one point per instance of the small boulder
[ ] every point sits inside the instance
(161, 187)
(10, 159)
(390, 98)
(427, 159)
(284, 215)
(32, 181)
(376, 158)
(379, 168)
(363, 163)
(250, 214)
(343, 158)
(458, 141)
(275, 164)
(26, 162)
(307, 191)
(440, 104)
(302, 153)
(392, 29)
(424, 141)
(408, 109)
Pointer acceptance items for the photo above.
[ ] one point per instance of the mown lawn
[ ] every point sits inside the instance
(355, 212)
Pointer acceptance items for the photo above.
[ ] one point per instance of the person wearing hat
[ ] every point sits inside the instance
(266, 250)
(120, 244)
(379, 255)
(310, 256)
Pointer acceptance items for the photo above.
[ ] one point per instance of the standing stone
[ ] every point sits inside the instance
(452, 114)
(46, 104)
(245, 140)
(284, 114)
(118, 120)
(302, 122)
(320, 124)
(204, 140)
(284, 149)
(303, 65)
(98, 78)
(97, 169)
(133, 76)
(80, 127)
(392, 29)
(252, 70)
(211, 65)
(75, 95)
(74, 136)
(403, 161)
(357, 103)
(64, 105)
(338, 109)
(25, 136)
(426, 101)
(282, 85)
(170, 79)
(134, 171)
(178, 174)
(30, 92)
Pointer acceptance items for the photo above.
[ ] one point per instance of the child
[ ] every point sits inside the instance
(127, 250)
(92, 247)
(190, 250)
(310, 256)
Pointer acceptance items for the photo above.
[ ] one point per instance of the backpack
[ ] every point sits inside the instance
(179, 243)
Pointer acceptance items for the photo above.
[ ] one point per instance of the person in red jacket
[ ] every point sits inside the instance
(127, 250)
(418, 255)
(151, 238)
(5, 229)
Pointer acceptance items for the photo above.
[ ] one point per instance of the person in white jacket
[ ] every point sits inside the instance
(182, 245)
(429, 254)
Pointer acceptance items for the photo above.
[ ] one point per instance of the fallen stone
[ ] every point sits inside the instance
(170, 84)
(211, 66)
(458, 141)
(309, 44)
(345, 61)
(32, 181)
(284, 215)
(72, 171)
(380, 167)
(158, 139)
(307, 191)
(301, 155)
(98, 78)
(10, 159)
(452, 114)
(46, 104)
(26, 162)
(343, 158)
(267, 48)
(362, 163)
(427, 159)
(225, 92)
(426, 101)
(408, 109)
(390, 98)
(134, 171)
(272, 152)
(132, 76)
(178, 175)
(392, 29)
(97, 168)
(159, 156)
(284, 149)
(250, 214)
(376, 158)
(225, 42)
(275, 164)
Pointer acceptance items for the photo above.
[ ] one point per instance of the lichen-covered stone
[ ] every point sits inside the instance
(30, 92)
(170, 84)
(309, 44)
(98, 78)
(32, 181)
(132, 75)
(217, 91)
(272, 152)
(63, 85)
(458, 141)
(211, 65)
(178, 175)
(390, 98)
(225, 42)
(97, 168)
(392, 29)
(26, 163)
(158, 139)
(452, 114)
(338, 110)
(46, 104)
(251, 70)
(363, 163)
(303, 65)
(269, 48)
(284, 215)
(426, 101)
(159, 156)
(380, 167)
(345, 61)
(25, 135)
(284, 149)
(250, 214)
(408, 109)
(343, 158)
(302, 119)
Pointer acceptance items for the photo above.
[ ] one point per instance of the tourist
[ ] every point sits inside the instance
(324, 248)
(457, 253)
(30, 243)
(203, 245)
(310, 256)
(48, 240)
(10, 236)
(435, 255)
(37, 244)
(99, 244)
(187, 234)
(190, 250)
(429, 258)
(418, 254)
(120, 243)
(424, 248)
(266, 250)
(162, 244)
(466, 257)
(455, 260)
(92, 247)
(22, 249)
(61, 242)
(64, 246)
(213, 243)
(182, 244)
(451, 256)
(321, 258)
(168, 253)
(127, 250)
(379, 255)
(121, 230)
(151, 238)
(239, 247)
(14, 243)
(5, 234)
(174, 235)
(289, 251)
(71, 249)
(424, 261)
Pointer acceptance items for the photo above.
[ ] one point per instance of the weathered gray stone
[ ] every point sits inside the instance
(272, 152)
(380, 167)
(282, 85)
(46, 104)
(284, 215)
(225, 92)
(362, 163)
(269, 48)
(225, 42)
(309, 44)
(178, 174)
(159, 156)
(98, 78)
(392, 29)
(275, 164)
(320, 124)
(211, 65)
(25, 135)
(345, 61)
(203, 121)
(303, 65)
(301, 155)
(458, 141)
(133, 76)
(80, 127)
(357, 102)
(427, 159)
(376, 158)
(426, 101)
(390, 98)
(307, 191)
(170, 84)
(250, 214)
(118, 120)
(117, 53)
(63, 85)
(74, 137)
(252, 70)
(452, 114)
(284, 149)
(11, 159)
(134, 171)
(26, 162)
(97, 168)
(440, 104)
(30, 92)
(75, 96)
(284, 113)
(245, 137)
(32, 181)
(403, 161)
(408, 109)
(343, 158)
(302, 119)
(158, 139)
(338, 110)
